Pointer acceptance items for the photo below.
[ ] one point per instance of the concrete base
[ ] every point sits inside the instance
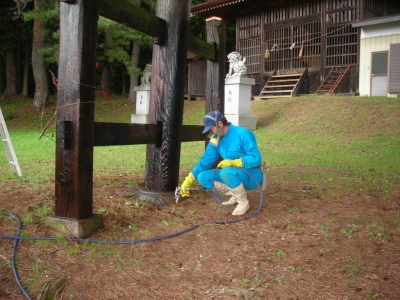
(142, 105)
(246, 121)
(77, 228)
(240, 80)
(140, 119)
(238, 102)
(156, 198)
(145, 87)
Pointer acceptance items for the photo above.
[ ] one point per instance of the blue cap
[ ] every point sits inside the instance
(211, 119)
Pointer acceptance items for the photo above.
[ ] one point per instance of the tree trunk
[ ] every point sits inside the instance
(123, 80)
(215, 87)
(38, 65)
(106, 70)
(19, 63)
(134, 79)
(25, 83)
(11, 73)
(1, 75)
(106, 78)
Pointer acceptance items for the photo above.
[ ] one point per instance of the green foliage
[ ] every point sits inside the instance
(293, 226)
(114, 39)
(245, 282)
(296, 269)
(46, 11)
(371, 295)
(355, 268)
(8, 117)
(115, 43)
(378, 229)
(198, 29)
(324, 227)
(281, 253)
(50, 52)
(39, 272)
(348, 230)
(12, 28)
(281, 281)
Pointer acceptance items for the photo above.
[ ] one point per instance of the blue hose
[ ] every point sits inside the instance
(17, 237)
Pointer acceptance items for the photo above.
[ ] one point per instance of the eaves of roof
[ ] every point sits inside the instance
(224, 9)
(212, 5)
(375, 21)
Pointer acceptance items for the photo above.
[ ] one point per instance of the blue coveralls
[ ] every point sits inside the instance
(237, 142)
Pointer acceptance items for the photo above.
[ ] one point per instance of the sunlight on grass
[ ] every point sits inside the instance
(119, 160)
(312, 137)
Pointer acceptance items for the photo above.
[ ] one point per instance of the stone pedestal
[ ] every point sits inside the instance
(238, 102)
(142, 104)
(77, 228)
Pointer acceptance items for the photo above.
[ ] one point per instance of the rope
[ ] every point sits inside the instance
(292, 45)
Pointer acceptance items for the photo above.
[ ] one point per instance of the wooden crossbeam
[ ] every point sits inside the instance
(202, 48)
(118, 134)
(137, 18)
(133, 16)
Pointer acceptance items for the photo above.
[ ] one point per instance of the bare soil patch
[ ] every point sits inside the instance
(305, 242)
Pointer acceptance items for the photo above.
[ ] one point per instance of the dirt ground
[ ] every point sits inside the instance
(305, 241)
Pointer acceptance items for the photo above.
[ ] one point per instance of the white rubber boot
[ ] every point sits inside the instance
(241, 197)
(222, 188)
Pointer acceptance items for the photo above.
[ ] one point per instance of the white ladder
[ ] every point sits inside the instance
(12, 158)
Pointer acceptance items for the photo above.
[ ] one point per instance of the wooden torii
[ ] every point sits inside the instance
(77, 133)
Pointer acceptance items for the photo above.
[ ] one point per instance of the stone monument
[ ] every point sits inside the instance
(142, 98)
(238, 93)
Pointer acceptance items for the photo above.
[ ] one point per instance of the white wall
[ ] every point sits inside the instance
(374, 38)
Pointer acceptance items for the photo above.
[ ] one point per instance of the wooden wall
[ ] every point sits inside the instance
(196, 79)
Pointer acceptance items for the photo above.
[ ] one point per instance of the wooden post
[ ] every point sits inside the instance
(75, 109)
(189, 80)
(262, 54)
(167, 96)
(215, 88)
(323, 42)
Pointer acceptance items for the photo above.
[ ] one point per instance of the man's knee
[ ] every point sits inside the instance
(204, 179)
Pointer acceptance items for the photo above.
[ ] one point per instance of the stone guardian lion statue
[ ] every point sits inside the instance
(237, 65)
(146, 75)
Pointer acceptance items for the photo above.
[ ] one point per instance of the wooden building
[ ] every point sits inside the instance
(289, 37)
(195, 85)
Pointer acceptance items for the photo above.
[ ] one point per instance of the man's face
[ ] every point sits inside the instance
(214, 128)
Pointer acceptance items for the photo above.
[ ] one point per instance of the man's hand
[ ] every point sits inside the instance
(189, 180)
(231, 163)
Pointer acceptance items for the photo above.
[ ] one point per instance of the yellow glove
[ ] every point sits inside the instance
(231, 163)
(189, 180)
